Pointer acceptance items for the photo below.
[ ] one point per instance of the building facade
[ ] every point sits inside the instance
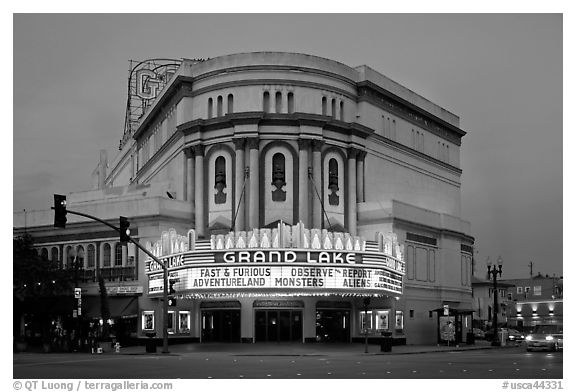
(315, 184)
(535, 300)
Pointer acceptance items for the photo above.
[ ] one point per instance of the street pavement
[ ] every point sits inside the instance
(292, 361)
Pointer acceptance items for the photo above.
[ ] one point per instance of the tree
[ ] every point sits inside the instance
(36, 282)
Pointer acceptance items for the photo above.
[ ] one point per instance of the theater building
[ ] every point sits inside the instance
(282, 190)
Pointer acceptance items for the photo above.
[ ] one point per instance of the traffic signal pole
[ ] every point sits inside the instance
(163, 265)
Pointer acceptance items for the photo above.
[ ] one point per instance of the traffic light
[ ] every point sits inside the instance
(124, 230)
(171, 289)
(60, 211)
(171, 301)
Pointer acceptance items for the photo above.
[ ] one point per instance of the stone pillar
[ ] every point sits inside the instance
(317, 181)
(360, 194)
(303, 208)
(254, 194)
(238, 210)
(189, 175)
(351, 199)
(199, 191)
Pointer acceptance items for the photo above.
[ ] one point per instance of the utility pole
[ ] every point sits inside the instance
(530, 264)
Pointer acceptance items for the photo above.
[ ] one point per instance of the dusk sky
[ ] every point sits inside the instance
(501, 74)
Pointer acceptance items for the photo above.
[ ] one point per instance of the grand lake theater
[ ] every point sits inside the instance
(292, 198)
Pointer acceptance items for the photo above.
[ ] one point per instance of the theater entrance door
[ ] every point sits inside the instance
(278, 325)
(221, 325)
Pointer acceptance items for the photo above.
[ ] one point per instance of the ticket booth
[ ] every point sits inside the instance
(452, 325)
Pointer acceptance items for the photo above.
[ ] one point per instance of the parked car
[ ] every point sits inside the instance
(478, 333)
(515, 336)
(545, 337)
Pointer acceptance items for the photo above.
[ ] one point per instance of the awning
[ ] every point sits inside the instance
(124, 307)
(455, 310)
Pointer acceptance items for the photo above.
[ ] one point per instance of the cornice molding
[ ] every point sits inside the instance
(374, 94)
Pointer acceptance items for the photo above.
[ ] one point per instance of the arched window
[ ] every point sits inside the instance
(219, 106)
(230, 104)
(80, 256)
(290, 102)
(278, 102)
(210, 107)
(70, 256)
(118, 255)
(341, 110)
(266, 102)
(333, 108)
(220, 180)
(333, 197)
(44, 254)
(106, 255)
(324, 106)
(278, 177)
(91, 256)
(54, 254)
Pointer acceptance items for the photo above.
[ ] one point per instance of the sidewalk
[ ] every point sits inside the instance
(297, 349)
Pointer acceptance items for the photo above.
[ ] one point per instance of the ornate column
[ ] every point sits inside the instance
(189, 174)
(317, 181)
(351, 199)
(254, 195)
(360, 194)
(199, 191)
(303, 208)
(238, 210)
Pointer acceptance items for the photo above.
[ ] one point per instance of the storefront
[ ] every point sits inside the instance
(287, 284)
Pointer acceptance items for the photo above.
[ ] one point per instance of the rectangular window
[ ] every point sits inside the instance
(184, 322)
(519, 290)
(421, 238)
(171, 316)
(366, 320)
(527, 290)
(382, 317)
(537, 290)
(148, 320)
(399, 325)
(411, 313)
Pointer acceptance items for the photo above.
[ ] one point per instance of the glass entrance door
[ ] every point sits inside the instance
(333, 325)
(278, 325)
(221, 325)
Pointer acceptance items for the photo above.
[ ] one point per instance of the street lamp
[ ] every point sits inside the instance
(366, 303)
(494, 272)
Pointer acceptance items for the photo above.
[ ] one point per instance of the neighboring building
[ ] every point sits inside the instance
(483, 302)
(536, 300)
(536, 288)
(246, 163)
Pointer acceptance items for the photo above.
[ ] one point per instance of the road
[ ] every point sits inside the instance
(513, 363)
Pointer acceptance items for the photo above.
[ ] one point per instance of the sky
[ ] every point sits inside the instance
(502, 74)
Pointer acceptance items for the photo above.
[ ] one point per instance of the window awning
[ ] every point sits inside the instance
(124, 307)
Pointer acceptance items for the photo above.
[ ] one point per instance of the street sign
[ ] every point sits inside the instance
(446, 310)
(77, 293)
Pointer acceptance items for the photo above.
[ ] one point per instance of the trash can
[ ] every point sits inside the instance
(470, 338)
(151, 342)
(386, 342)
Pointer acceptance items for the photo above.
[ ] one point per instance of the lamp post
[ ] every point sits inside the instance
(494, 272)
(366, 303)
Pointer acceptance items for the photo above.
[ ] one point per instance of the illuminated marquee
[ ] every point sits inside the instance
(289, 261)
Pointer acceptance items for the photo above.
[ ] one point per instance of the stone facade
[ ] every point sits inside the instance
(243, 141)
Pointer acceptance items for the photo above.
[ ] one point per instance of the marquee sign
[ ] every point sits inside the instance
(288, 259)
